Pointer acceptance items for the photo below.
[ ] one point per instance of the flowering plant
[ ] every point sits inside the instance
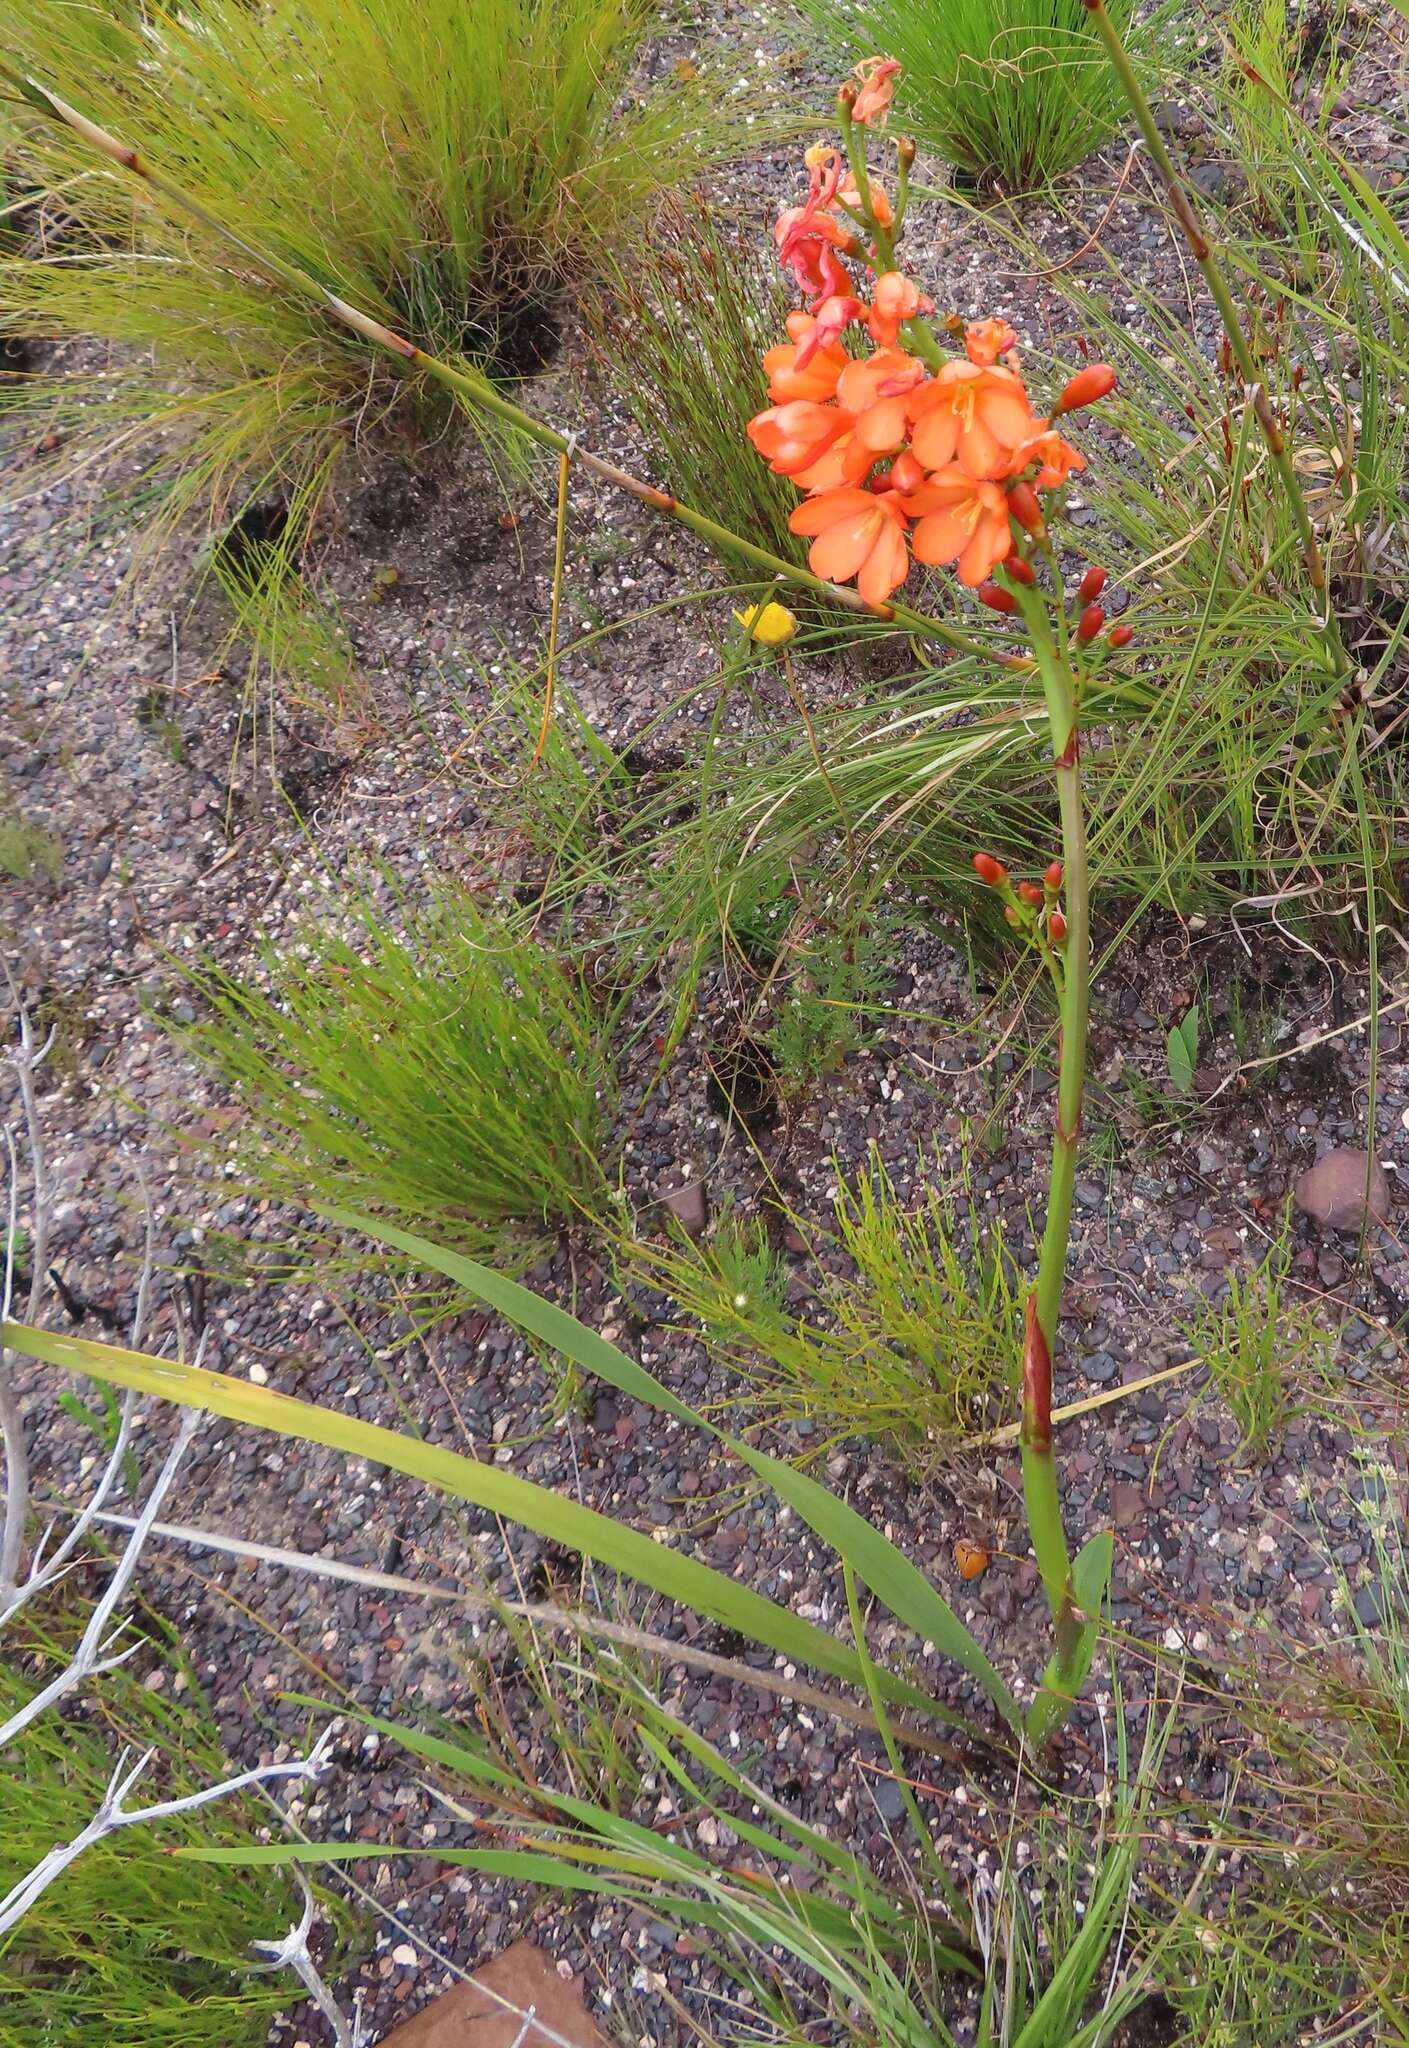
(904, 450)
(909, 451)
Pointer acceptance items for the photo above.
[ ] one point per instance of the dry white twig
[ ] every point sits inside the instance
(27, 1058)
(96, 1653)
(112, 1815)
(293, 1953)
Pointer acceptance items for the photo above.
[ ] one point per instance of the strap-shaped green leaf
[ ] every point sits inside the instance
(873, 1557)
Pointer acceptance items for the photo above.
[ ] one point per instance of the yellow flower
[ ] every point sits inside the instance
(772, 624)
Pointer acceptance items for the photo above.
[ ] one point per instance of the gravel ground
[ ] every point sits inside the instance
(120, 739)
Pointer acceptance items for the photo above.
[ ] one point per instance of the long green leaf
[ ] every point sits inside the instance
(873, 1557)
(680, 1578)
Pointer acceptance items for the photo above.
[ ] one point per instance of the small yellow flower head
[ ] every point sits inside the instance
(772, 624)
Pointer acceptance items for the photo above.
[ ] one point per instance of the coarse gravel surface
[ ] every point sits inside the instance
(186, 831)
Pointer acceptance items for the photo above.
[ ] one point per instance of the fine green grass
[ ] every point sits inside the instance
(451, 170)
(27, 851)
(679, 337)
(912, 1335)
(1266, 1354)
(1013, 91)
(446, 1074)
(130, 1947)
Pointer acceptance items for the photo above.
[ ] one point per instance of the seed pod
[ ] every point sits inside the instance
(1121, 636)
(1096, 381)
(1090, 623)
(1091, 584)
(996, 597)
(990, 870)
(1026, 507)
(1056, 928)
(1052, 879)
(972, 1559)
(1020, 571)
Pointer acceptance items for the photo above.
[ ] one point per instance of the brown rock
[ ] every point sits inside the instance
(471, 2017)
(690, 1207)
(1332, 1192)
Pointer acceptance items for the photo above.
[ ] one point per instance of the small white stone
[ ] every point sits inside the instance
(258, 1374)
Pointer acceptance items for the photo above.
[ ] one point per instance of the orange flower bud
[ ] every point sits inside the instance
(1121, 636)
(1011, 914)
(1030, 893)
(1052, 879)
(1096, 381)
(1091, 584)
(996, 597)
(1090, 623)
(990, 870)
(1020, 571)
(1056, 928)
(1026, 507)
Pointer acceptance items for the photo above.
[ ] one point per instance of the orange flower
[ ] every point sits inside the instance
(875, 389)
(831, 320)
(894, 300)
(986, 340)
(872, 102)
(846, 462)
(857, 534)
(849, 194)
(790, 437)
(1056, 457)
(815, 375)
(960, 519)
(975, 414)
(808, 241)
(1095, 382)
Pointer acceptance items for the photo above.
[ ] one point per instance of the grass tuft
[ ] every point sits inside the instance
(448, 1077)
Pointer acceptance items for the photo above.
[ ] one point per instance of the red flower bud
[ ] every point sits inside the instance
(1011, 914)
(1052, 879)
(1091, 584)
(1026, 507)
(990, 870)
(1030, 893)
(906, 473)
(1298, 373)
(1056, 928)
(1121, 636)
(1090, 623)
(1096, 381)
(1020, 571)
(996, 598)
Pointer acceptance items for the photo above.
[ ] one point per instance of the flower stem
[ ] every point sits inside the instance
(1044, 1510)
(479, 392)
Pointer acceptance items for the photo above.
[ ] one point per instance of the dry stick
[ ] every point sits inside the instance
(479, 392)
(555, 611)
(562, 1619)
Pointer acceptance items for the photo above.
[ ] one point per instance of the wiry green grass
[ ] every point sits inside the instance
(130, 1948)
(1268, 1357)
(912, 1336)
(679, 339)
(447, 1073)
(1013, 91)
(451, 170)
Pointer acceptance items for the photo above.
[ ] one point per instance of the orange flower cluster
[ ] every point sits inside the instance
(897, 456)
